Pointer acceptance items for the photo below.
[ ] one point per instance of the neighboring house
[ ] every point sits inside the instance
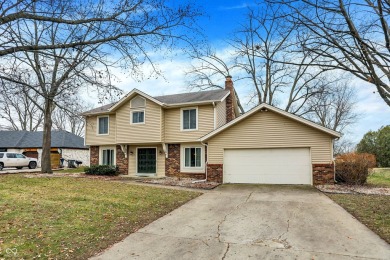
(201, 135)
(63, 144)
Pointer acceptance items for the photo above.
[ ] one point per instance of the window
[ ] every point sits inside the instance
(193, 157)
(103, 125)
(137, 117)
(11, 155)
(108, 157)
(18, 155)
(189, 119)
(1, 155)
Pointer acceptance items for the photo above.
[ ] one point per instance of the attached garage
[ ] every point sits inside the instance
(270, 166)
(271, 146)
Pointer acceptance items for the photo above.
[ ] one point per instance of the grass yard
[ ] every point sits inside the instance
(71, 218)
(371, 210)
(72, 170)
(379, 177)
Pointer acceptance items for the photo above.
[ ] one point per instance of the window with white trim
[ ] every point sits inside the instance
(138, 117)
(108, 157)
(192, 157)
(103, 125)
(189, 119)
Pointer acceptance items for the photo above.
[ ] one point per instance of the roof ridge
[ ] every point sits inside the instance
(202, 91)
(20, 139)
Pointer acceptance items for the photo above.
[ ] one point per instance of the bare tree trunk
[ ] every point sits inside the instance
(46, 145)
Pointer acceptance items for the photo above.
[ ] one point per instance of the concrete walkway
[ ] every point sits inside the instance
(257, 222)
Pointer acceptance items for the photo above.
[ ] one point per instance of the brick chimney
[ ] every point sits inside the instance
(229, 100)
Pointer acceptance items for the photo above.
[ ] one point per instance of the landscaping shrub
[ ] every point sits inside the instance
(102, 170)
(352, 168)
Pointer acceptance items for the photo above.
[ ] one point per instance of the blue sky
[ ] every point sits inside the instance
(221, 20)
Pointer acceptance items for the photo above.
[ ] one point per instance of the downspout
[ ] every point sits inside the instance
(207, 162)
(334, 161)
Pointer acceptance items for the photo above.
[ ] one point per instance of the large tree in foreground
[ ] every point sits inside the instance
(351, 35)
(56, 48)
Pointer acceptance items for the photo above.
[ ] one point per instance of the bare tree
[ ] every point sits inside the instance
(350, 35)
(55, 58)
(70, 119)
(262, 55)
(208, 71)
(334, 108)
(19, 111)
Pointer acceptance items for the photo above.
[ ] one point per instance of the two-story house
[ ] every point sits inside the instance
(201, 135)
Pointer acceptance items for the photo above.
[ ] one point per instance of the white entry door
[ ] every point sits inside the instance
(269, 166)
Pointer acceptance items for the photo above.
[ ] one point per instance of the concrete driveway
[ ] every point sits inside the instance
(257, 222)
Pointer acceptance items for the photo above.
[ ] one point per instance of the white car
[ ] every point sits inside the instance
(17, 160)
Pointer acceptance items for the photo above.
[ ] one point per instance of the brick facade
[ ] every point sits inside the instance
(323, 174)
(121, 161)
(94, 155)
(229, 100)
(215, 172)
(172, 164)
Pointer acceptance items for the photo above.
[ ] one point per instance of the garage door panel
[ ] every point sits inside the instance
(270, 166)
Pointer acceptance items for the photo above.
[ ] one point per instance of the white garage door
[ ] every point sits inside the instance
(272, 166)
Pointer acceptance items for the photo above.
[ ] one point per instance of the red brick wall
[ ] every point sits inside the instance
(94, 155)
(229, 100)
(121, 161)
(172, 164)
(215, 172)
(323, 174)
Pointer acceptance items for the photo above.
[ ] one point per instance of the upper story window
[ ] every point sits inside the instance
(103, 125)
(137, 110)
(189, 119)
(138, 117)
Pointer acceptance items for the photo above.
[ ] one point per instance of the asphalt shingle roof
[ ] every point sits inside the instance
(191, 97)
(25, 139)
(202, 96)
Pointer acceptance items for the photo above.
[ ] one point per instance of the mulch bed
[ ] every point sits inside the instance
(181, 182)
(354, 189)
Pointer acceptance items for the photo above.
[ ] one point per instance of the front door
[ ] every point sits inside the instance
(146, 161)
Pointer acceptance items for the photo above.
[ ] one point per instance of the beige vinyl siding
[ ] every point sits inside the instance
(160, 170)
(221, 113)
(148, 132)
(162, 112)
(173, 132)
(92, 138)
(271, 130)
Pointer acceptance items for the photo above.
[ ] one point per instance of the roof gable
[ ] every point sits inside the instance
(265, 107)
(130, 95)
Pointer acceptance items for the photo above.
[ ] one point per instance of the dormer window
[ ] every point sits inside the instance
(189, 119)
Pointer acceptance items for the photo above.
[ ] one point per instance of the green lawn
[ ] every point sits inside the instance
(379, 177)
(71, 218)
(371, 210)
